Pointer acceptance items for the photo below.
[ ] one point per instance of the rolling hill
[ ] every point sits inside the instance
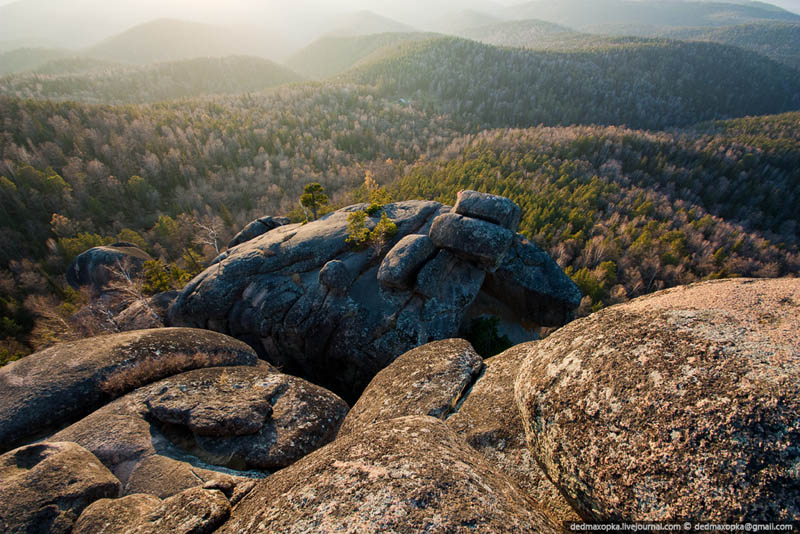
(522, 34)
(776, 40)
(24, 59)
(602, 16)
(152, 83)
(363, 23)
(651, 84)
(463, 20)
(172, 40)
(330, 56)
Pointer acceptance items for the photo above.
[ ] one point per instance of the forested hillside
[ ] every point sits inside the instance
(160, 81)
(330, 56)
(776, 40)
(24, 59)
(645, 85)
(628, 212)
(581, 15)
(641, 163)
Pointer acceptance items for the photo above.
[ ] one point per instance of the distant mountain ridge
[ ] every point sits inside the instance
(330, 56)
(599, 15)
(123, 84)
(172, 40)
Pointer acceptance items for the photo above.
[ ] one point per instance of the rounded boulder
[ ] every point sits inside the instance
(679, 405)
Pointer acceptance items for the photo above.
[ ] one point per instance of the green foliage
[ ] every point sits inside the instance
(357, 232)
(314, 198)
(485, 337)
(359, 235)
(71, 247)
(159, 277)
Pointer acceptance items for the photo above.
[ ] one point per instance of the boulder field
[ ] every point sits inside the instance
(678, 406)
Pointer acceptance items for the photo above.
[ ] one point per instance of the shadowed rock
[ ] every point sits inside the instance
(319, 308)
(53, 388)
(46, 486)
(96, 266)
(401, 265)
(429, 380)
(208, 424)
(256, 228)
(411, 474)
(490, 422)
(194, 511)
(682, 404)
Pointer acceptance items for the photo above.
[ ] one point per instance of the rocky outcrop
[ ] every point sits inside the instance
(51, 389)
(492, 208)
(46, 486)
(489, 421)
(98, 266)
(194, 511)
(682, 404)
(314, 305)
(429, 380)
(404, 475)
(208, 424)
(256, 228)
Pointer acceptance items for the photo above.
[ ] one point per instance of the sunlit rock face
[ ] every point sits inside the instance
(681, 404)
(313, 304)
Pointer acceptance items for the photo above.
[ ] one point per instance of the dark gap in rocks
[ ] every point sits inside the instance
(466, 392)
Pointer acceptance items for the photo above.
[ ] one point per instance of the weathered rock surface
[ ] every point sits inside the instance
(405, 475)
(194, 511)
(206, 424)
(490, 422)
(492, 208)
(96, 266)
(475, 240)
(682, 404)
(113, 516)
(533, 286)
(400, 266)
(53, 388)
(256, 228)
(46, 486)
(429, 380)
(318, 308)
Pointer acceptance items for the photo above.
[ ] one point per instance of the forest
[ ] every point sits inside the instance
(640, 163)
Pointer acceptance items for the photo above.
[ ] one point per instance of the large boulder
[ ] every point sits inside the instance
(475, 240)
(209, 423)
(316, 306)
(492, 208)
(193, 511)
(404, 475)
(532, 286)
(489, 420)
(679, 405)
(50, 389)
(256, 228)
(100, 265)
(46, 486)
(429, 380)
